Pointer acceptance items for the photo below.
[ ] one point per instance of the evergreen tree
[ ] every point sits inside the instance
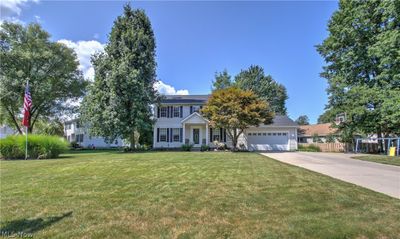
(222, 80)
(119, 101)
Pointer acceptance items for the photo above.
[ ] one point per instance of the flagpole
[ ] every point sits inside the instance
(26, 143)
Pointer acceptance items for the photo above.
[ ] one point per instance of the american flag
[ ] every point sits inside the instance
(27, 106)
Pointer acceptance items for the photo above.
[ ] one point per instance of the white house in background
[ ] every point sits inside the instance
(75, 132)
(6, 130)
(178, 122)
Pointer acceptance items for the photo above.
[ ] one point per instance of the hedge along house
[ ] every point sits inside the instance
(179, 121)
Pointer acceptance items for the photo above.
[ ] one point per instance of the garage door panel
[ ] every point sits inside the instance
(268, 141)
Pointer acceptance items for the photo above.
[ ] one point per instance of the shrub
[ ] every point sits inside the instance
(220, 145)
(309, 148)
(39, 146)
(204, 147)
(187, 147)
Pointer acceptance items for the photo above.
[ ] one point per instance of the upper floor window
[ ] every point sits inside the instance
(163, 111)
(177, 111)
(68, 126)
(78, 125)
(196, 108)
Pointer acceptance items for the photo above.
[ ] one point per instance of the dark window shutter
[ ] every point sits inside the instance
(225, 135)
(158, 112)
(158, 134)
(167, 134)
(181, 111)
(181, 134)
(167, 111)
(170, 135)
(191, 109)
(211, 135)
(221, 135)
(170, 112)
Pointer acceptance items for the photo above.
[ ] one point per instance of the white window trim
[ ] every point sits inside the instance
(163, 110)
(176, 109)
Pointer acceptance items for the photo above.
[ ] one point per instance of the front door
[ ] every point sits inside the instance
(196, 136)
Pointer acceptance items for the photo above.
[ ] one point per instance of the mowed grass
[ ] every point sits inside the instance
(380, 159)
(186, 195)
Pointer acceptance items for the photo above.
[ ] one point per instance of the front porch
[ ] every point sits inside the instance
(196, 130)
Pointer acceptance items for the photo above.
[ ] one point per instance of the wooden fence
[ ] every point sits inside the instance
(330, 147)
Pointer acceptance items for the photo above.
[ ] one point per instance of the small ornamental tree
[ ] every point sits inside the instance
(235, 110)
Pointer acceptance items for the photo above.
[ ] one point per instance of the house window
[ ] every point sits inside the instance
(216, 135)
(69, 138)
(274, 134)
(264, 134)
(254, 134)
(116, 142)
(79, 138)
(269, 134)
(196, 108)
(163, 135)
(249, 134)
(259, 134)
(279, 134)
(177, 112)
(176, 135)
(78, 125)
(284, 134)
(68, 126)
(163, 112)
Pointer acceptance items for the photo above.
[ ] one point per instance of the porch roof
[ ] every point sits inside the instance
(195, 118)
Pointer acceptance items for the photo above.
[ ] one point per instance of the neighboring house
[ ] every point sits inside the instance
(6, 130)
(75, 132)
(178, 122)
(319, 132)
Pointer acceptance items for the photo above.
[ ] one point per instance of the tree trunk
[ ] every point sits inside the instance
(132, 139)
(380, 142)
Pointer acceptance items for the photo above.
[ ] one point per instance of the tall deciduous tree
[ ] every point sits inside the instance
(363, 70)
(303, 120)
(27, 53)
(235, 110)
(119, 102)
(264, 86)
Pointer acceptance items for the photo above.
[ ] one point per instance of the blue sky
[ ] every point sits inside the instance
(196, 39)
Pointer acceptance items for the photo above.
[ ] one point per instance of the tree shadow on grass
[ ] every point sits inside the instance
(29, 226)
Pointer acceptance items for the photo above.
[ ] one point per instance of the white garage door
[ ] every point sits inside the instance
(266, 140)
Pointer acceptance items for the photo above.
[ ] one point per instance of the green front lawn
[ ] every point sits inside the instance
(380, 159)
(186, 195)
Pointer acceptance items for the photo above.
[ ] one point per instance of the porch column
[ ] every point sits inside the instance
(207, 137)
(183, 134)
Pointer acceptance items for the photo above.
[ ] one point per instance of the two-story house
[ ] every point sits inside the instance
(178, 122)
(74, 131)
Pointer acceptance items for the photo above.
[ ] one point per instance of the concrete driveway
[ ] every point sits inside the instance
(378, 177)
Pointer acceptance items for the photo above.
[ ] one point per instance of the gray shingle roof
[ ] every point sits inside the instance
(185, 99)
(283, 120)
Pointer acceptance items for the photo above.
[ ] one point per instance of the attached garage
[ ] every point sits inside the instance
(265, 140)
(281, 135)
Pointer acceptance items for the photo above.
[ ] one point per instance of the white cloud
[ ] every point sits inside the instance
(168, 89)
(9, 8)
(84, 50)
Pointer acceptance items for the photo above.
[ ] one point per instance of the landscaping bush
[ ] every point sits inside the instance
(309, 148)
(39, 146)
(204, 147)
(187, 147)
